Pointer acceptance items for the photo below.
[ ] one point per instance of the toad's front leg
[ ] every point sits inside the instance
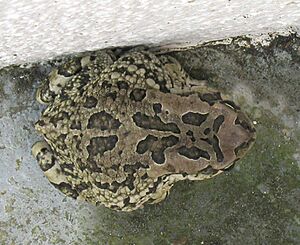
(52, 169)
(73, 74)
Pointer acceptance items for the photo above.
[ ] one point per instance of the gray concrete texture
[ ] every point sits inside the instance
(255, 203)
(41, 29)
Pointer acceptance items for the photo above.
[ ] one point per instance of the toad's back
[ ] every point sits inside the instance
(124, 138)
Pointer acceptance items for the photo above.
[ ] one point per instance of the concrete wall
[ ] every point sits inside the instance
(40, 29)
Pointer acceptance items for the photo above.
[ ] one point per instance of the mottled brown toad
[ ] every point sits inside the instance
(121, 131)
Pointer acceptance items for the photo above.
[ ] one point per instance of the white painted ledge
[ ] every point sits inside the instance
(41, 29)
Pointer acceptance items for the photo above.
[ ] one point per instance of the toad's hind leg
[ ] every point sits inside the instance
(182, 82)
(52, 169)
(73, 74)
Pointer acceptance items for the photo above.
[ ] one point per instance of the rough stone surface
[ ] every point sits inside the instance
(37, 30)
(255, 203)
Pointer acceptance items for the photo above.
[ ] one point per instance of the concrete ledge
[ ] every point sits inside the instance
(38, 30)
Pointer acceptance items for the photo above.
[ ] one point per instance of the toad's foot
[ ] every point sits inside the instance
(52, 170)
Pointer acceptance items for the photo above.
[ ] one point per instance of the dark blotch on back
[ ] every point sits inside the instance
(158, 154)
(148, 122)
(112, 95)
(133, 168)
(217, 123)
(137, 94)
(106, 85)
(157, 108)
(207, 131)
(122, 85)
(193, 153)
(90, 102)
(146, 144)
(99, 145)
(216, 147)
(156, 146)
(169, 141)
(194, 118)
(103, 121)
